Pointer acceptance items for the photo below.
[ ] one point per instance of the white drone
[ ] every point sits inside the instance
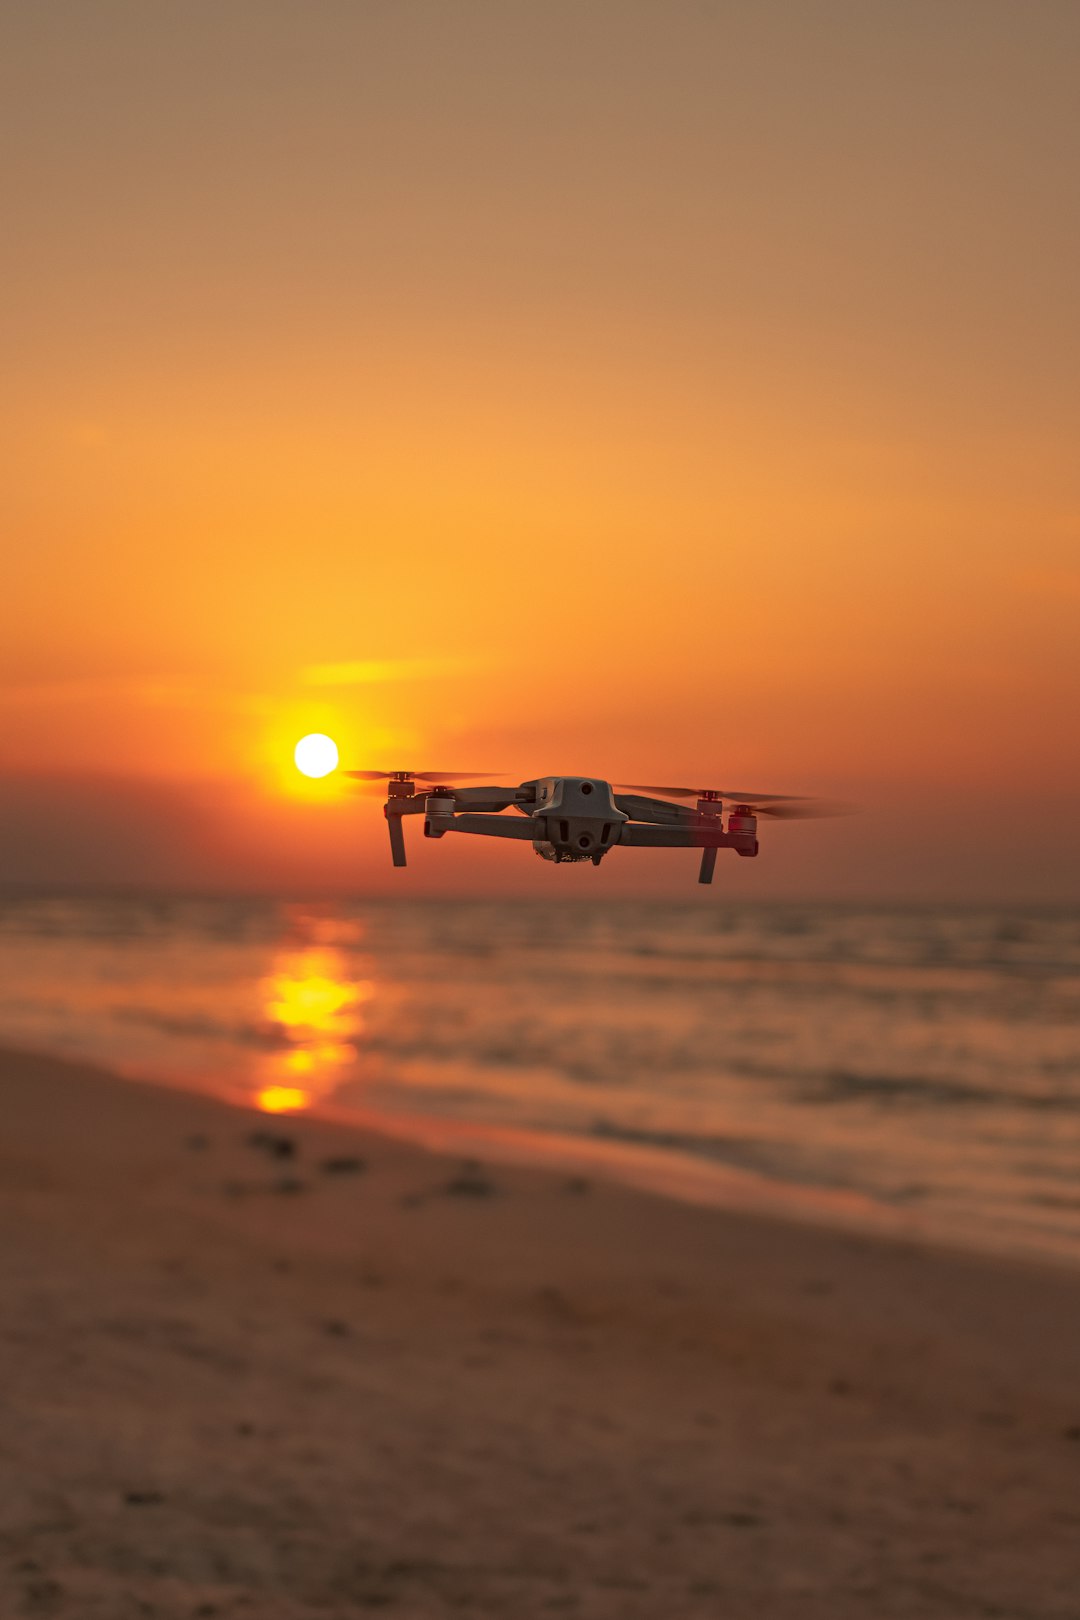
(581, 818)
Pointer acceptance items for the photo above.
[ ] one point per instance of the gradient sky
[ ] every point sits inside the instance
(664, 391)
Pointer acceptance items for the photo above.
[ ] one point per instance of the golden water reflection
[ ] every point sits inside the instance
(312, 1003)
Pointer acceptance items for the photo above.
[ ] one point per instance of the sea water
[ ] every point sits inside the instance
(917, 1068)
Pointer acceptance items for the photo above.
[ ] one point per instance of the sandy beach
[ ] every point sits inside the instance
(277, 1368)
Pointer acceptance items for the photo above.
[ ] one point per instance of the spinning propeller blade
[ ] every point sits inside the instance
(418, 776)
(370, 790)
(803, 809)
(781, 806)
(701, 793)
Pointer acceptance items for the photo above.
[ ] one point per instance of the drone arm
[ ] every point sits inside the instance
(660, 811)
(412, 804)
(651, 837)
(488, 798)
(493, 826)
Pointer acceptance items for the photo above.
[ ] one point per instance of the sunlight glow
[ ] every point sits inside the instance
(312, 1003)
(282, 1099)
(316, 754)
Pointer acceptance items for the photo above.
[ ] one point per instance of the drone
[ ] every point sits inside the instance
(583, 818)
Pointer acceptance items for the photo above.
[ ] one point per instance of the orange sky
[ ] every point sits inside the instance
(655, 391)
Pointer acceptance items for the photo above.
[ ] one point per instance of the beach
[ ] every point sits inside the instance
(280, 1367)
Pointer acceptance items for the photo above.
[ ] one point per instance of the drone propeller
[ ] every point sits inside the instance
(708, 793)
(781, 806)
(418, 776)
(802, 809)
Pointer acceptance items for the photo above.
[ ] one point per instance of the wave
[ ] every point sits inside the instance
(194, 1026)
(775, 1161)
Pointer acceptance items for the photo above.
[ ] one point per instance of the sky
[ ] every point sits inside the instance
(666, 392)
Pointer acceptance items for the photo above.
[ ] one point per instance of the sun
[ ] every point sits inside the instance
(316, 754)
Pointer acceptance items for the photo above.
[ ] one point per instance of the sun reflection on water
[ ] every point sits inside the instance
(282, 1099)
(312, 1003)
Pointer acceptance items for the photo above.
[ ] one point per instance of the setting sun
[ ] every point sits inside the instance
(316, 754)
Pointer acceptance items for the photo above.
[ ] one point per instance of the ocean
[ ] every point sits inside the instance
(909, 1068)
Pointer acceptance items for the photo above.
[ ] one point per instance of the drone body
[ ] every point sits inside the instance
(582, 818)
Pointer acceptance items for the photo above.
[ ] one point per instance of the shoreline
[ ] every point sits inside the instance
(681, 1178)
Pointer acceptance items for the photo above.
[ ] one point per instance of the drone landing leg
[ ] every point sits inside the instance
(397, 839)
(708, 865)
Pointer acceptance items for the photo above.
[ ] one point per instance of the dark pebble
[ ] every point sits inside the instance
(271, 1142)
(143, 1498)
(345, 1166)
(42, 1597)
(470, 1183)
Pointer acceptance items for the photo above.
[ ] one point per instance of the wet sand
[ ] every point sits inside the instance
(276, 1368)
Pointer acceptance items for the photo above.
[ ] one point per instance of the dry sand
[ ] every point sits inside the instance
(237, 1384)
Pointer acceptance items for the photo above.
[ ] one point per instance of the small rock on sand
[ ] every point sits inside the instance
(273, 1143)
(471, 1181)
